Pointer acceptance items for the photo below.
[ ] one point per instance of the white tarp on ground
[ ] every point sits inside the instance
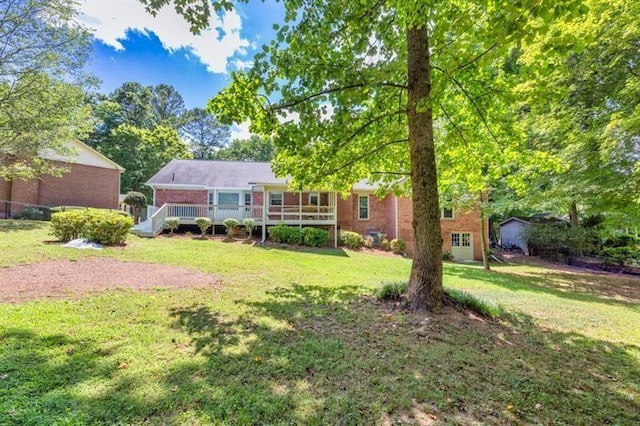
(83, 243)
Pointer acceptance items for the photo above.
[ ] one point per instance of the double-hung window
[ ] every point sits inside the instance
(275, 198)
(363, 207)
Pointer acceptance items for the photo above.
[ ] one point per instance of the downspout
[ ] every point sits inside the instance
(395, 202)
(265, 195)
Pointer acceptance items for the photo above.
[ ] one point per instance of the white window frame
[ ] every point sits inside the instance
(244, 198)
(442, 216)
(271, 194)
(228, 206)
(360, 196)
(314, 194)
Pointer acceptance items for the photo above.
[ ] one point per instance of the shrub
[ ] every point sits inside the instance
(626, 255)
(351, 239)
(475, 304)
(137, 200)
(249, 226)
(101, 226)
(391, 291)
(552, 239)
(315, 237)
(282, 233)
(204, 223)
(385, 244)
(171, 223)
(446, 255)
(68, 225)
(106, 227)
(33, 213)
(368, 241)
(398, 246)
(230, 225)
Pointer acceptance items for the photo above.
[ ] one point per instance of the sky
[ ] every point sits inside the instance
(131, 45)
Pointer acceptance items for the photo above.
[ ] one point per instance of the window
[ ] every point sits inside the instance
(275, 198)
(363, 207)
(228, 198)
(247, 199)
(466, 240)
(211, 198)
(314, 199)
(461, 239)
(446, 213)
(455, 240)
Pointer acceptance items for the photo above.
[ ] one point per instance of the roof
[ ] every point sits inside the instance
(215, 174)
(511, 219)
(85, 155)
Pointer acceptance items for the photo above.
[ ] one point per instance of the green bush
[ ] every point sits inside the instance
(628, 255)
(558, 238)
(230, 225)
(137, 200)
(101, 226)
(249, 226)
(446, 255)
(282, 233)
(204, 223)
(368, 241)
(34, 213)
(391, 291)
(398, 246)
(171, 223)
(315, 237)
(385, 244)
(68, 225)
(351, 239)
(106, 227)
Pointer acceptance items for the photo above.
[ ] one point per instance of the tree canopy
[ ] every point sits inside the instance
(42, 107)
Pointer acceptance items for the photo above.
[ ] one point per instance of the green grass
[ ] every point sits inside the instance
(292, 338)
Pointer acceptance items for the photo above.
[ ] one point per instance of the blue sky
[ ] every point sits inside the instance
(131, 45)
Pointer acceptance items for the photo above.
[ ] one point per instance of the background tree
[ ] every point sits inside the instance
(42, 55)
(135, 101)
(582, 105)
(168, 106)
(256, 148)
(204, 133)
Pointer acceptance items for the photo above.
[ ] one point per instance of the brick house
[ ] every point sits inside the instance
(92, 180)
(220, 189)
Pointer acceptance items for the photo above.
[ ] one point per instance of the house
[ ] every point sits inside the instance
(221, 189)
(92, 180)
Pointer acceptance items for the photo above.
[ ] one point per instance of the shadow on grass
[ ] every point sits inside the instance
(565, 286)
(301, 249)
(11, 225)
(314, 355)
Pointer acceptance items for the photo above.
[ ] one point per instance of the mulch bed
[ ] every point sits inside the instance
(58, 279)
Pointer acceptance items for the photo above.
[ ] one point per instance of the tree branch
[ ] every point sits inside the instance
(360, 157)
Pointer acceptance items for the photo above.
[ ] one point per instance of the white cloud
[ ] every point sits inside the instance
(110, 21)
(241, 131)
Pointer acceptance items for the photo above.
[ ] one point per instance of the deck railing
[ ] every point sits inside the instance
(219, 212)
(157, 220)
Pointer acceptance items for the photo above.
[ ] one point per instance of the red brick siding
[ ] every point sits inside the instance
(82, 186)
(380, 215)
(181, 196)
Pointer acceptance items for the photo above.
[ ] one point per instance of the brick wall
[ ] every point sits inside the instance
(381, 216)
(181, 196)
(82, 186)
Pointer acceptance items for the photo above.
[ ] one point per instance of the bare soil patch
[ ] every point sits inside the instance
(58, 279)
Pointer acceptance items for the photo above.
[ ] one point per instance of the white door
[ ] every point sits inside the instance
(462, 245)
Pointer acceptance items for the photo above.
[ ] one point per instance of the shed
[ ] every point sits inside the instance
(511, 233)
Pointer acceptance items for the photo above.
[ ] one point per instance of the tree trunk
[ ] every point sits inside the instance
(425, 284)
(483, 231)
(573, 214)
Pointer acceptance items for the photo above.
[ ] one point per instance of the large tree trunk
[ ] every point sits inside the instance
(573, 214)
(483, 231)
(425, 284)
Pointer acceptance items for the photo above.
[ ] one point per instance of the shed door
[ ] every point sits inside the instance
(462, 245)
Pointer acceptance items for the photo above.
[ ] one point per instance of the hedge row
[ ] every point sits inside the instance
(101, 226)
(312, 237)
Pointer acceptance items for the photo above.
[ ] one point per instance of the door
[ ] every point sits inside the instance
(462, 245)
(229, 206)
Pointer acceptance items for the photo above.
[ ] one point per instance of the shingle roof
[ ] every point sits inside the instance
(215, 174)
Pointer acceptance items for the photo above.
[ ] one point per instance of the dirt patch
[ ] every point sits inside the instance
(59, 279)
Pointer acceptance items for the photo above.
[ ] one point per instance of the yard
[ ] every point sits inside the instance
(207, 332)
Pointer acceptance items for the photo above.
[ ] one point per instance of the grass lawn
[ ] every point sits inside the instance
(295, 338)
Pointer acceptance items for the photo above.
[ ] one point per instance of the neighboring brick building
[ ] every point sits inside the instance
(92, 180)
(222, 189)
